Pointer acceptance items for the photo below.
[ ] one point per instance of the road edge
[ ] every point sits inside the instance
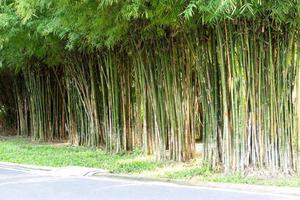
(100, 173)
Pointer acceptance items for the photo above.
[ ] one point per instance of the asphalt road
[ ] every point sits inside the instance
(19, 184)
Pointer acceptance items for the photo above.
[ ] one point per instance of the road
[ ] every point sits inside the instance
(22, 184)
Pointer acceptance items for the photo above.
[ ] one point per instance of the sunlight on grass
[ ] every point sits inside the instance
(20, 150)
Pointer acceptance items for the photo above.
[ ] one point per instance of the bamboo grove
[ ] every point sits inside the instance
(233, 85)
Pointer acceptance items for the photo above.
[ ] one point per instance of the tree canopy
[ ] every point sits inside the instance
(46, 29)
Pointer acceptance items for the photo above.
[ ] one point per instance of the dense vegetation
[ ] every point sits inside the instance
(157, 75)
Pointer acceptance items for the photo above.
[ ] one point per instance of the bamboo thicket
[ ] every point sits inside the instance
(234, 85)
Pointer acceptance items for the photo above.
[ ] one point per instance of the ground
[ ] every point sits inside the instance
(27, 184)
(22, 150)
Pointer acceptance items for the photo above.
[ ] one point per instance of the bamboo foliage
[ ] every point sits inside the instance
(235, 85)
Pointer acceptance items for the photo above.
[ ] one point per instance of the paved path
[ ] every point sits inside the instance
(22, 184)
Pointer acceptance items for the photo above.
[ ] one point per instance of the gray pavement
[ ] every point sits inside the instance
(21, 184)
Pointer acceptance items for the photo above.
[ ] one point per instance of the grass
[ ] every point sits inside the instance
(23, 151)
(203, 174)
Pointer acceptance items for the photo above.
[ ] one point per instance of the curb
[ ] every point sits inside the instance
(285, 191)
(53, 171)
(25, 167)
